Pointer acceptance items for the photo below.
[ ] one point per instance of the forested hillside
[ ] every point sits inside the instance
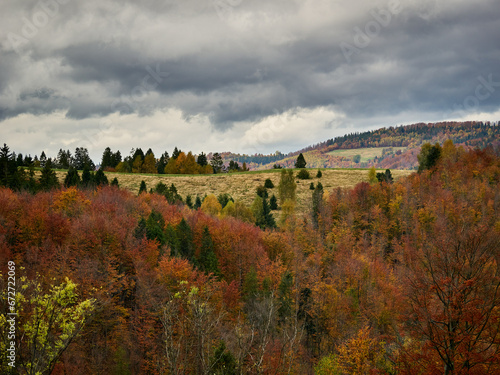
(386, 277)
(397, 146)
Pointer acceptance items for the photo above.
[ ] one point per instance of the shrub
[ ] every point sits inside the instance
(268, 184)
(304, 174)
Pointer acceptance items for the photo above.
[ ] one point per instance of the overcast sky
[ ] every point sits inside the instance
(238, 75)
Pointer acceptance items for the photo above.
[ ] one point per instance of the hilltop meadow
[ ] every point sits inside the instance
(242, 185)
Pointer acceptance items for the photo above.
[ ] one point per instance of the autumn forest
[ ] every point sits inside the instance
(388, 277)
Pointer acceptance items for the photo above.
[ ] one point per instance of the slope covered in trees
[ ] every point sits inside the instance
(474, 134)
(377, 279)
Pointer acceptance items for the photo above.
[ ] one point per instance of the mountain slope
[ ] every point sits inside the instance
(393, 147)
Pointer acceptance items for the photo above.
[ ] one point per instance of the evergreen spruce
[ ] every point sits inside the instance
(100, 178)
(154, 227)
(189, 201)
(197, 203)
(172, 240)
(224, 199)
(207, 260)
(175, 153)
(301, 161)
(202, 160)
(143, 188)
(72, 177)
(185, 238)
(8, 168)
(48, 179)
(273, 203)
(317, 204)
(87, 177)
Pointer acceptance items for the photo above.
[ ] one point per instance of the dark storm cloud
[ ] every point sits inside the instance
(244, 60)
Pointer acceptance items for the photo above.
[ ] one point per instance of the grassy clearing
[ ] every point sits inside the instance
(366, 153)
(242, 186)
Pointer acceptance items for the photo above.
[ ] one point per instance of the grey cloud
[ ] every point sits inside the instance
(256, 59)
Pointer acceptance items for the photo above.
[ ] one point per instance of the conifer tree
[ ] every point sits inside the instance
(217, 162)
(185, 238)
(317, 203)
(72, 177)
(107, 157)
(207, 260)
(154, 227)
(43, 159)
(100, 178)
(19, 161)
(87, 177)
(143, 188)
(172, 240)
(116, 159)
(268, 216)
(48, 179)
(301, 161)
(81, 159)
(385, 177)
(63, 160)
(224, 199)
(202, 160)
(175, 153)
(197, 203)
(8, 167)
(273, 203)
(162, 162)
(429, 156)
(262, 212)
(189, 201)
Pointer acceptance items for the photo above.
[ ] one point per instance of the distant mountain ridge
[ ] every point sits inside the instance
(392, 147)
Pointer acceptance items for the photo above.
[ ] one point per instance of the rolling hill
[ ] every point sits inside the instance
(392, 147)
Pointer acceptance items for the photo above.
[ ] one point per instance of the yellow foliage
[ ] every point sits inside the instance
(122, 167)
(211, 205)
(287, 211)
(149, 165)
(171, 167)
(137, 165)
(188, 165)
(360, 354)
(239, 211)
(71, 201)
(372, 175)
